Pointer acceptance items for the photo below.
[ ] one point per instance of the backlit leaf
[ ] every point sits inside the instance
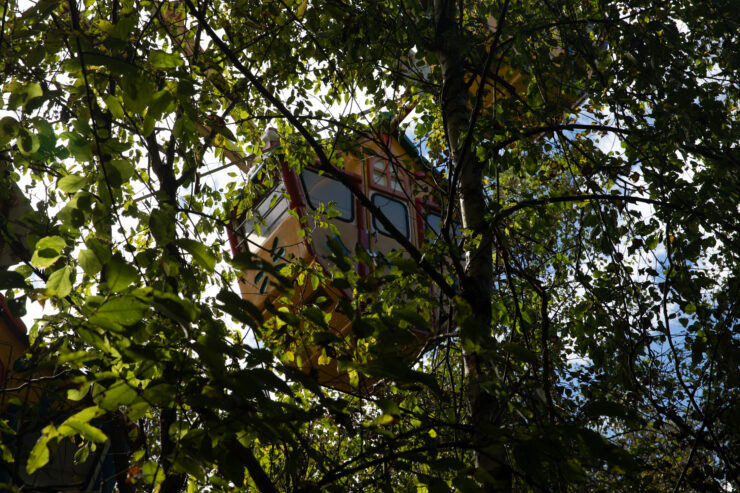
(199, 251)
(72, 183)
(60, 283)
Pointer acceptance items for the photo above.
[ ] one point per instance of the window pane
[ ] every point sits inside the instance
(380, 178)
(321, 189)
(381, 165)
(434, 221)
(394, 210)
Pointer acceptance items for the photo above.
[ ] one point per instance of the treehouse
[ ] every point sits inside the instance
(288, 220)
(289, 210)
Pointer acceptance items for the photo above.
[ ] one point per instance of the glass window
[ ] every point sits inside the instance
(320, 189)
(395, 211)
(434, 221)
(385, 176)
(380, 173)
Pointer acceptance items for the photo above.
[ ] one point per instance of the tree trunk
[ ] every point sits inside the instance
(466, 180)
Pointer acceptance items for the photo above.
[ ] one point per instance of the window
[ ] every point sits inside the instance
(385, 176)
(395, 211)
(434, 221)
(320, 189)
(268, 213)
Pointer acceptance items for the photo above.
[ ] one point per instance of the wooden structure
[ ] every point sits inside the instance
(387, 170)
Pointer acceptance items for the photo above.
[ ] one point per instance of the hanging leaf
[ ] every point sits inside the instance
(89, 262)
(119, 394)
(9, 128)
(39, 455)
(47, 251)
(59, 283)
(23, 96)
(118, 312)
(114, 106)
(10, 279)
(72, 183)
(119, 274)
(199, 251)
(28, 142)
(162, 226)
(78, 146)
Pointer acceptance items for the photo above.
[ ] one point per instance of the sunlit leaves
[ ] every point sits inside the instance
(38, 457)
(72, 183)
(22, 95)
(116, 136)
(47, 251)
(59, 283)
(77, 424)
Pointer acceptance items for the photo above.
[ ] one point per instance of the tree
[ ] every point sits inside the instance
(589, 339)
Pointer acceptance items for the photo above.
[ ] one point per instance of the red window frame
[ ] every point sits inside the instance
(391, 173)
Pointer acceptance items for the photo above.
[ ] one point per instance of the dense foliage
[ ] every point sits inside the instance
(589, 338)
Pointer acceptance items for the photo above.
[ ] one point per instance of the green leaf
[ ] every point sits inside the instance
(78, 394)
(114, 106)
(174, 307)
(119, 274)
(22, 96)
(9, 127)
(118, 312)
(161, 59)
(239, 308)
(162, 226)
(201, 254)
(78, 146)
(79, 423)
(59, 283)
(72, 183)
(162, 103)
(39, 455)
(28, 142)
(102, 250)
(48, 250)
(118, 172)
(114, 64)
(137, 93)
(119, 394)
(76, 357)
(10, 279)
(89, 262)
(520, 353)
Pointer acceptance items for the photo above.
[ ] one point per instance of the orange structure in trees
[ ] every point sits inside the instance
(387, 170)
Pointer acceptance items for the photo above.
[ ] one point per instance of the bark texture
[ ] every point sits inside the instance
(467, 181)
